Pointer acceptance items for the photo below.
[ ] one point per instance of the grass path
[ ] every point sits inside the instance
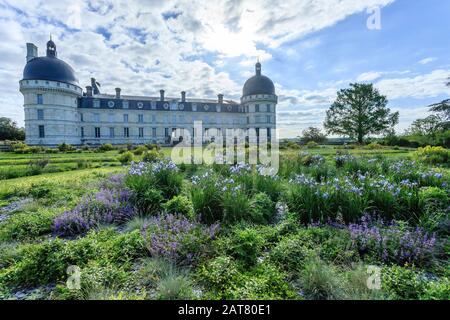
(8, 187)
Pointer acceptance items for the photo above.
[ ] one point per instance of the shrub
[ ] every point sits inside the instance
(434, 198)
(402, 283)
(246, 245)
(434, 155)
(153, 156)
(125, 158)
(180, 205)
(219, 274)
(290, 253)
(312, 145)
(176, 238)
(106, 147)
(374, 146)
(140, 150)
(64, 147)
(436, 290)
(264, 282)
(262, 208)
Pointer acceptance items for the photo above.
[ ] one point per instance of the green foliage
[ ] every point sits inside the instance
(262, 208)
(10, 131)
(125, 158)
(140, 150)
(434, 155)
(321, 281)
(177, 287)
(64, 147)
(28, 225)
(219, 274)
(290, 253)
(106, 147)
(180, 205)
(402, 283)
(47, 262)
(312, 145)
(313, 134)
(152, 156)
(246, 245)
(374, 146)
(437, 290)
(359, 111)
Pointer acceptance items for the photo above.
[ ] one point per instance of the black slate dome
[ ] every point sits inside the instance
(258, 84)
(50, 68)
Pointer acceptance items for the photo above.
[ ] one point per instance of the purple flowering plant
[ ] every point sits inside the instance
(393, 242)
(104, 207)
(177, 238)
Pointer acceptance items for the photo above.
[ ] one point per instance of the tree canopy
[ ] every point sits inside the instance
(359, 111)
(10, 131)
(313, 134)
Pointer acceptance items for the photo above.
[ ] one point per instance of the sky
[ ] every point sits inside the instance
(309, 48)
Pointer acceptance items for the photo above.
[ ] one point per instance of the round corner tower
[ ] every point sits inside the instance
(259, 101)
(51, 91)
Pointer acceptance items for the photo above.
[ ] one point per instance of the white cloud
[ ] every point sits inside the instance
(428, 85)
(427, 60)
(369, 76)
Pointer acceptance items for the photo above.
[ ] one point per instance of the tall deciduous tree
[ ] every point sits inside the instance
(10, 131)
(360, 111)
(313, 134)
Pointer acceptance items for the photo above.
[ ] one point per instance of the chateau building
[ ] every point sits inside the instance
(57, 109)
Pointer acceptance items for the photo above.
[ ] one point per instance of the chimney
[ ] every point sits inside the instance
(118, 93)
(183, 96)
(161, 92)
(220, 96)
(89, 91)
(32, 51)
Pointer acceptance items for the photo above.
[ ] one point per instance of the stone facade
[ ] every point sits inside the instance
(57, 110)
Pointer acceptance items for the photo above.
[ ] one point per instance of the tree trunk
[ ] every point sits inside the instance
(360, 138)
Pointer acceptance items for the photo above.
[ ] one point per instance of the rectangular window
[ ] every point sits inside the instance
(268, 119)
(97, 132)
(140, 118)
(166, 132)
(41, 132)
(126, 132)
(82, 132)
(125, 104)
(141, 132)
(40, 99)
(256, 107)
(81, 117)
(40, 114)
(153, 118)
(96, 117)
(154, 132)
(268, 108)
(96, 103)
(269, 133)
(125, 118)
(111, 117)
(111, 132)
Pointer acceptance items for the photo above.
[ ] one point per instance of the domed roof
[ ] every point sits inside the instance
(50, 68)
(258, 84)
